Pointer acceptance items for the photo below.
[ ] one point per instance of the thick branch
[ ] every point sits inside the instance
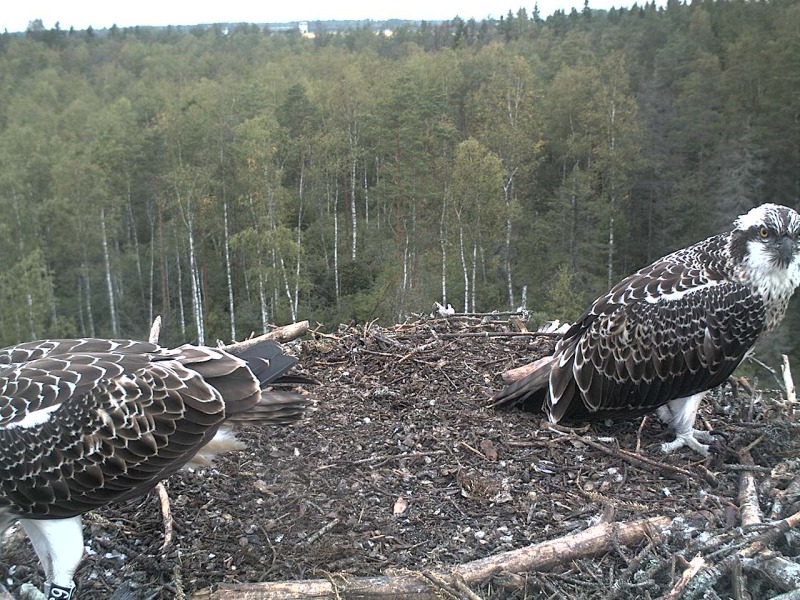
(749, 510)
(518, 373)
(284, 334)
(545, 555)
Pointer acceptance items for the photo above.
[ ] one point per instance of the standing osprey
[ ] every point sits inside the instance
(86, 422)
(663, 337)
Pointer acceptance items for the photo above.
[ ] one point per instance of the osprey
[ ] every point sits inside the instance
(664, 336)
(89, 421)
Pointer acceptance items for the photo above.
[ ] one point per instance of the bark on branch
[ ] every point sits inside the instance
(284, 334)
(545, 555)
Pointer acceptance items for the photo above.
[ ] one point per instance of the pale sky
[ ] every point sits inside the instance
(80, 14)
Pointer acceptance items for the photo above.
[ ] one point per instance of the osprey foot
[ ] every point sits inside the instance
(51, 592)
(691, 439)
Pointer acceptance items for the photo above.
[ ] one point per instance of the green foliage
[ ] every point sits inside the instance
(351, 176)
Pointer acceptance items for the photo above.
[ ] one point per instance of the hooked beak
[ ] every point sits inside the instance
(786, 250)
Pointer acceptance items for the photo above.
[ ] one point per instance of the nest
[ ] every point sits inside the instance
(403, 477)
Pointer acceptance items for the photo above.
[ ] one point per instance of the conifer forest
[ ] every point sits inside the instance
(228, 176)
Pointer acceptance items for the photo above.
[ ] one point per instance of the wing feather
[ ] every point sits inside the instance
(84, 422)
(673, 329)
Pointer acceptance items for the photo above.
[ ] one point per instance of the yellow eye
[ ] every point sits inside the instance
(763, 232)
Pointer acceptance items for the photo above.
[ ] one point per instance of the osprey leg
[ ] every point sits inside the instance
(59, 545)
(680, 414)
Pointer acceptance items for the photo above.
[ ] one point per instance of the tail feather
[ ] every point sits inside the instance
(267, 361)
(275, 408)
(282, 406)
(293, 379)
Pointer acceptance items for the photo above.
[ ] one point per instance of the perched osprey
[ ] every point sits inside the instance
(90, 421)
(663, 337)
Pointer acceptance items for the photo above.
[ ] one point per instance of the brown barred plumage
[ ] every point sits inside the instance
(665, 335)
(89, 421)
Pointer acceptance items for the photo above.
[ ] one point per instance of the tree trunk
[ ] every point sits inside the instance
(474, 270)
(81, 323)
(336, 242)
(228, 269)
(31, 326)
(109, 279)
(611, 249)
(443, 245)
(366, 197)
(162, 254)
(194, 279)
(181, 311)
(507, 187)
(262, 298)
(134, 236)
(286, 286)
(353, 206)
(297, 261)
(88, 288)
(151, 285)
(463, 266)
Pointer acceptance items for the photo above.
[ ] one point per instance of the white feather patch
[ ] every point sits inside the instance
(223, 441)
(672, 296)
(770, 281)
(755, 216)
(34, 418)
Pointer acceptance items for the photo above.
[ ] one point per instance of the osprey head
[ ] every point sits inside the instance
(766, 241)
(768, 237)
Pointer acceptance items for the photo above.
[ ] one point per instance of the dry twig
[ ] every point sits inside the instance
(697, 563)
(166, 514)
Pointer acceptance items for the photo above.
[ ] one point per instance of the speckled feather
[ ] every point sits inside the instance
(675, 328)
(85, 422)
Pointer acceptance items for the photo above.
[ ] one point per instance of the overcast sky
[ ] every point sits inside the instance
(80, 14)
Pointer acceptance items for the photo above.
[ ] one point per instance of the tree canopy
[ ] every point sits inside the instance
(229, 177)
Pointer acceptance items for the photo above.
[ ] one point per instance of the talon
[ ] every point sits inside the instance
(689, 439)
(28, 591)
(702, 435)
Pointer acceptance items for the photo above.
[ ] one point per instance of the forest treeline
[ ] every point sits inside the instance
(226, 177)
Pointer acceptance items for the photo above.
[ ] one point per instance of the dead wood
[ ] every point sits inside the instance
(501, 334)
(518, 373)
(166, 514)
(753, 553)
(788, 383)
(283, 334)
(694, 566)
(155, 330)
(702, 473)
(779, 571)
(749, 511)
(593, 541)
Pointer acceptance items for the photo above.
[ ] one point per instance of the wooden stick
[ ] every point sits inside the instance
(702, 473)
(284, 334)
(155, 330)
(697, 563)
(788, 383)
(491, 334)
(166, 514)
(593, 541)
(518, 373)
(749, 510)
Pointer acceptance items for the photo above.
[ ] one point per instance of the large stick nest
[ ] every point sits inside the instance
(403, 468)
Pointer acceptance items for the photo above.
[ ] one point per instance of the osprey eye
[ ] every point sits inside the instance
(763, 232)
